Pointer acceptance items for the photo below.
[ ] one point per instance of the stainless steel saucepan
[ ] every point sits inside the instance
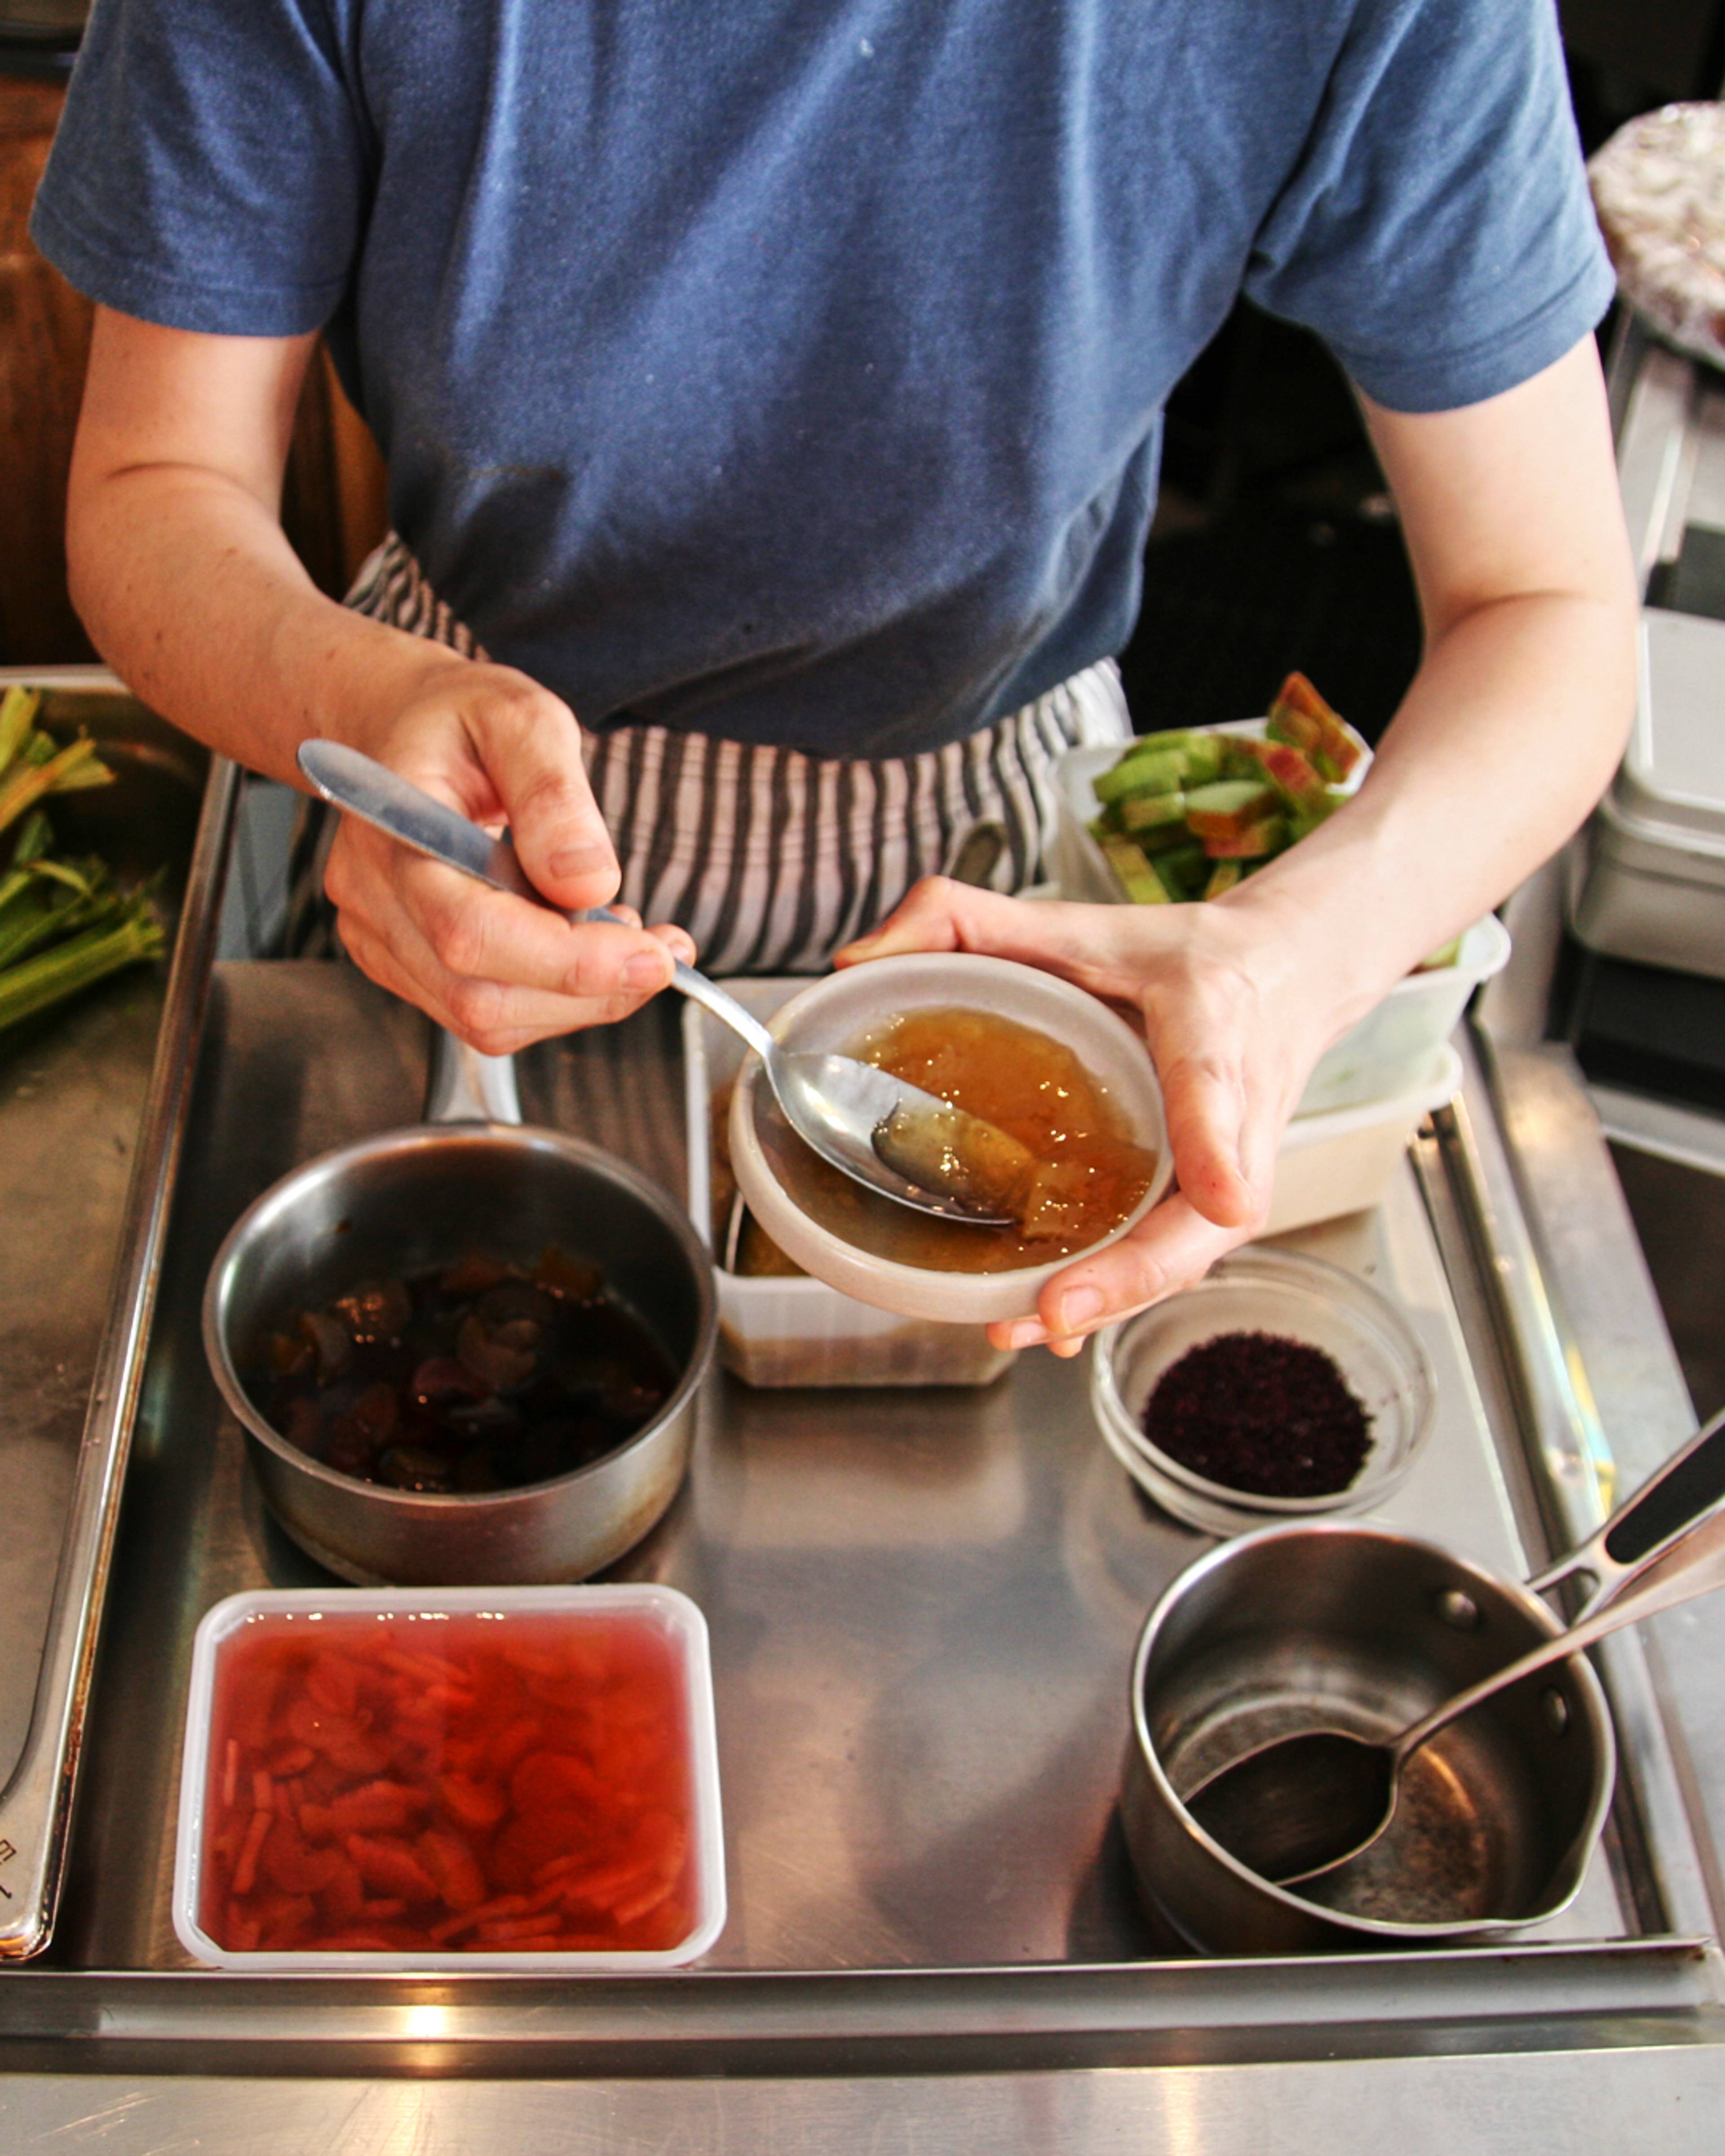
(1360, 1628)
(468, 1178)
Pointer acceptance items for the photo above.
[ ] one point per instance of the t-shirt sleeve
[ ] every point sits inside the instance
(210, 168)
(1437, 231)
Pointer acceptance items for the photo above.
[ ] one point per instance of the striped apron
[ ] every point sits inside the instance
(771, 859)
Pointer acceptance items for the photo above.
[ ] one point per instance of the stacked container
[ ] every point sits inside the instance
(1370, 1091)
(1647, 881)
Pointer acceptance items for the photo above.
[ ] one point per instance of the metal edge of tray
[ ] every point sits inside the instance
(36, 1805)
(1596, 1995)
(1571, 1471)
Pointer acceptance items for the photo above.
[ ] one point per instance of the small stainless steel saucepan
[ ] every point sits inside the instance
(1360, 1628)
(468, 1178)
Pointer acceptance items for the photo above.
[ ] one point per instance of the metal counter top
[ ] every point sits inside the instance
(934, 1944)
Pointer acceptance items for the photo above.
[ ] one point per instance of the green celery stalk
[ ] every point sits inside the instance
(18, 708)
(26, 929)
(43, 981)
(26, 787)
(34, 840)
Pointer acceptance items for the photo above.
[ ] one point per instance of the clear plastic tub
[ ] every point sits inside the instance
(668, 1616)
(1393, 1047)
(1342, 1160)
(800, 1332)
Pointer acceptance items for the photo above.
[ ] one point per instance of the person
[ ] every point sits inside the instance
(771, 400)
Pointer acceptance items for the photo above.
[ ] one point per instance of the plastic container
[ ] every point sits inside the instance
(1386, 1053)
(832, 1012)
(1342, 1160)
(791, 1332)
(1080, 866)
(1295, 1297)
(663, 1609)
(1393, 1047)
(1647, 881)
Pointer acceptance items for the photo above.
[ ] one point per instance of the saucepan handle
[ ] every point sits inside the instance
(467, 1087)
(1679, 1498)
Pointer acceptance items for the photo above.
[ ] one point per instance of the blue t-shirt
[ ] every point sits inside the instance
(793, 369)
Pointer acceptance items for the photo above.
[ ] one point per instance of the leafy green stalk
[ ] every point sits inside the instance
(26, 786)
(82, 777)
(18, 708)
(69, 967)
(34, 840)
(26, 928)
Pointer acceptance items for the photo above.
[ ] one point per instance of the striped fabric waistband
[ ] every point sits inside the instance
(772, 859)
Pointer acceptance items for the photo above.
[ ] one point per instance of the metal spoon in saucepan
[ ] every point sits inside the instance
(896, 1138)
(1300, 1806)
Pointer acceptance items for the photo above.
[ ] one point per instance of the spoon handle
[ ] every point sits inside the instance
(1674, 1499)
(1688, 1561)
(369, 790)
(711, 997)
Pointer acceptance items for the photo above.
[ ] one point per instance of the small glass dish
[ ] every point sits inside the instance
(1293, 1296)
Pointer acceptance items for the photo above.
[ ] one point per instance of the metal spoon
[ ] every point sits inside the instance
(872, 1125)
(1300, 1806)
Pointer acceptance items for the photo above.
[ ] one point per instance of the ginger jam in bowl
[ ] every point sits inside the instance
(522, 1779)
(1027, 1052)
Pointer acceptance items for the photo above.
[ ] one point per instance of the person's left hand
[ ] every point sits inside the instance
(1235, 1015)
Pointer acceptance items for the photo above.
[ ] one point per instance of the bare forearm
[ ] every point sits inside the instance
(1509, 734)
(192, 592)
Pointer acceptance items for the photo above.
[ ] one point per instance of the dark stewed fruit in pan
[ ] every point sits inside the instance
(471, 1377)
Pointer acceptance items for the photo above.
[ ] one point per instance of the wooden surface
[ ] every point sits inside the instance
(44, 342)
(334, 493)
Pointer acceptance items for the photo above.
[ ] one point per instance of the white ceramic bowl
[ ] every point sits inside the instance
(834, 1012)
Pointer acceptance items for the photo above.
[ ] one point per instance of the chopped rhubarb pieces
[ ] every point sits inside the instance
(332, 1686)
(530, 1840)
(1245, 801)
(246, 1871)
(522, 1786)
(460, 1883)
(377, 1808)
(388, 1868)
(290, 1863)
(1300, 715)
(478, 1804)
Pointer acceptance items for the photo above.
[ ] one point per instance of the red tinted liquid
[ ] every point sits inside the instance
(451, 1784)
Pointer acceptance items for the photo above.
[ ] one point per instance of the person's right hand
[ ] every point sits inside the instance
(494, 968)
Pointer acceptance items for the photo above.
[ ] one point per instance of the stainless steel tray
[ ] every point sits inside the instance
(92, 1103)
(923, 1606)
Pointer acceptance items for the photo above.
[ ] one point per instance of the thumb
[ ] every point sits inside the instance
(1203, 1100)
(530, 748)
